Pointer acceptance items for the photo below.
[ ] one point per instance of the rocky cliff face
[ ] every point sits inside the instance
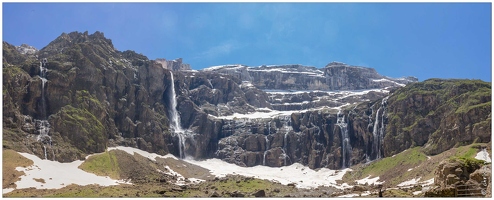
(175, 65)
(83, 95)
(438, 114)
(94, 96)
(335, 76)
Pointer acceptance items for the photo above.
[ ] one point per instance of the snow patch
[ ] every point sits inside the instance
(387, 80)
(427, 182)
(409, 182)
(483, 155)
(369, 180)
(58, 175)
(180, 178)
(228, 67)
(151, 156)
(303, 176)
(7, 190)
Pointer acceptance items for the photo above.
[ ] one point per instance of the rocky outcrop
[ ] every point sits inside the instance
(460, 177)
(438, 114)
(95, 96)
(174, 65)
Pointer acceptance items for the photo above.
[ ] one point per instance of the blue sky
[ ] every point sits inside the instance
(425, 40)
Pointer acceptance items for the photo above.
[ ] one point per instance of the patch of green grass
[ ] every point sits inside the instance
(104, 164)
(470, 153)
(412, 156)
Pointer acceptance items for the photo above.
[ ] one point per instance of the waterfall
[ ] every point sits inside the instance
(285, 143)
(375, 134)
(266, 151)
(269, 128)
(345, 139)
(175, 120)
(379, 130)
(383, 128)
(209, 80)
(42, 125)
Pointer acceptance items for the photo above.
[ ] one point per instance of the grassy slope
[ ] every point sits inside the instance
(11, 160)
(392, 170)
(104, 164)
(395, 170)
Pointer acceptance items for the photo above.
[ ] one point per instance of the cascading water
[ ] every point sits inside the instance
(375, 134)
(379, 130)
(175, 120)
(210, 84)
(42, 124)
(285, 143)
(384, 104)
(265, 152)
(345, 139)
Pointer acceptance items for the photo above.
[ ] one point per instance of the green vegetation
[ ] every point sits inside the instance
(410, 157)
(430, 109)
(392, 169)
(466, 152)
(104, 164)
(11, 160)
(87, 131)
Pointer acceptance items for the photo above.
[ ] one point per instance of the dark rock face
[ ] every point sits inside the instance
(95, 96)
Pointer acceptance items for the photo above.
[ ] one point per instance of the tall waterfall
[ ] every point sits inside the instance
(345, 139)
(175, 120)
(382, 130)
(42, 124)
(375, 135)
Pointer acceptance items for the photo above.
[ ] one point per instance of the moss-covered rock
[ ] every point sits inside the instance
(81, 129)
(439, 114)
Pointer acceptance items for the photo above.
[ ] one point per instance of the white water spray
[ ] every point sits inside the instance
(345, 139)
(379, 130)
(265, 152)
(285, 143)
(375, 134)
(175, 120)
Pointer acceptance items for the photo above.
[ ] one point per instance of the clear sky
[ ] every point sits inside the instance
(425, 40)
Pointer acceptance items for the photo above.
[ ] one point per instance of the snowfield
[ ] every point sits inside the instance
(57, 175)
(369, 181)
(302, 176)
